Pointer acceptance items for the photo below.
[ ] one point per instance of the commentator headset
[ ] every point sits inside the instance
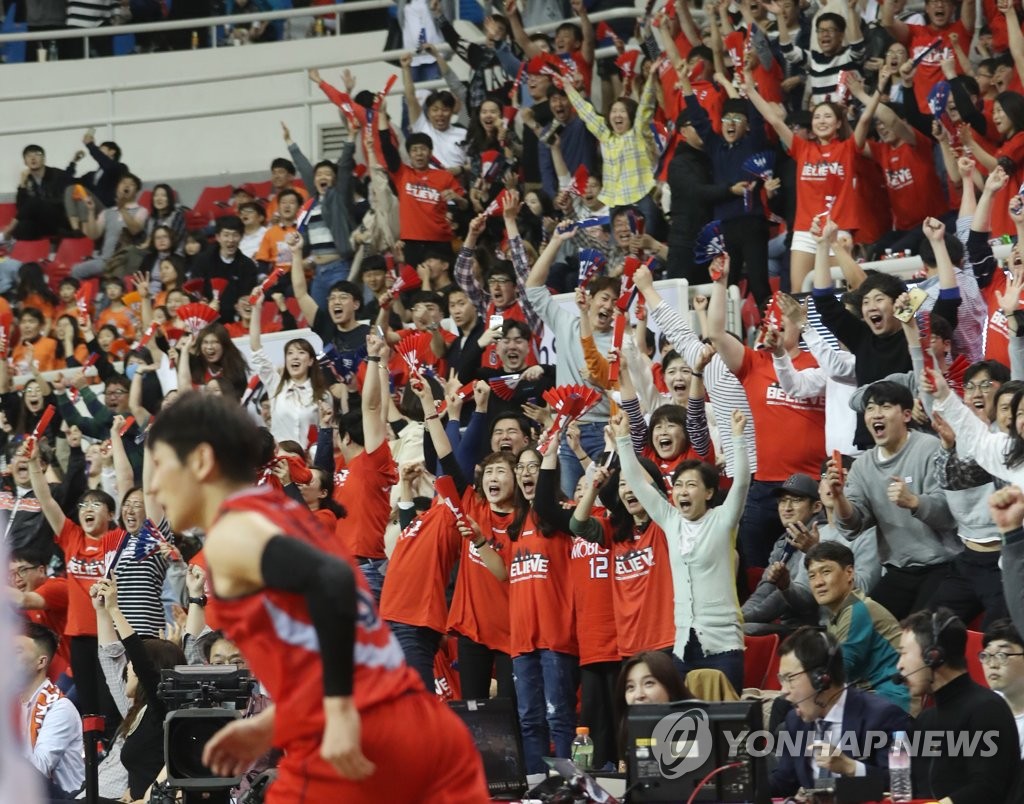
(934, 656)
(821, 677)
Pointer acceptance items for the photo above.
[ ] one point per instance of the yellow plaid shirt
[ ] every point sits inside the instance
(628, 170)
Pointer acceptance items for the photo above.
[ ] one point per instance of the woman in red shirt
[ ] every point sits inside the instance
(1008, 116)
(825, 173)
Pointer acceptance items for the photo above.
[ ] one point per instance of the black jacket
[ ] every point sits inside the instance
(693, 197)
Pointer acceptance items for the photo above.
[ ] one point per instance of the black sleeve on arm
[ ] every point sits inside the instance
(450, 466)
(293, 491)
(545, 504)
(392, 158)
(968, 111)
(147, 672)
(329, 586)
(912, 113)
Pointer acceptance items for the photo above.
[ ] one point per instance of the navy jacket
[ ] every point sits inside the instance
(864, 712)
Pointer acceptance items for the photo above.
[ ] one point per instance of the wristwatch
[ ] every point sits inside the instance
(199, 601)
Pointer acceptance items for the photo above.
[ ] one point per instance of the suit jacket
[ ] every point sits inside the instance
(863, 712)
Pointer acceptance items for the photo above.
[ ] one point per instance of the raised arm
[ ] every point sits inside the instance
(728, 348)
(298, 274)
(768, 111)
(374, 429)
(409, 89)
(896, 28)
(51, 509)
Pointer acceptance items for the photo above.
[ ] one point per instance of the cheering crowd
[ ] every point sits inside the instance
(542, 523)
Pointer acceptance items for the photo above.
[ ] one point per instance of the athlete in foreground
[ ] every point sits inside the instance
(355, 722)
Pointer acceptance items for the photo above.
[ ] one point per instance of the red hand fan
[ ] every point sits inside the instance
(195, 288)
(173, 335)
(504, 387)
(3, 343)
(196, 316)
(497, 207)
(119, 348)
(250, 389)
(266, 285)
(579, 181)
(407, 280)
(217, 285)
(147, 336)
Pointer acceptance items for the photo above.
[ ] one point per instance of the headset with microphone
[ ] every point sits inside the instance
(934, 655)
(821, 677)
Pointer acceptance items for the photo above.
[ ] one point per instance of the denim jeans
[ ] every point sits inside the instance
(326, 275)
(419, 644)
(760, 525)
(373, 570)
(546, 695)
(729, 662)
(592, 443)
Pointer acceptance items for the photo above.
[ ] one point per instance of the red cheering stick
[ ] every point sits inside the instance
(128, 422)
(147, 336)
(379, 99)
(250, 389)
(628, 290)
(837, 459)
(267, 284)
(617, 335)
(3, 343)
(772, 321)
(91, 360)
(82, 304)
(922, 55)
(38, 430)
(497, 207)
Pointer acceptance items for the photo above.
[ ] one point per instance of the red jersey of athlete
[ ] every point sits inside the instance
(540, 585)
(824, 181)
(54, 592)
(929, 71)
(593, 595)
(364, 488)
(768, 82)
(421, 207)
(87, 561)
(642, 591)
(669, 466)
(480, 605)
(914, 189)
(778, 416)
(1012, 149)
(275, 632)
(422, 563)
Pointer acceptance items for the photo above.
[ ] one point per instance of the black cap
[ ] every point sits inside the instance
(800, 485)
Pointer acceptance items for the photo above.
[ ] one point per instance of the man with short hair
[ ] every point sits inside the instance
(121, 223)
(932, 662)
(273, 251)
(577, 145)
(39, 203)
(826, 713)
(282, 177)
(838, 51)
(1003, 659)
(894, 487)
(41, 600)
(50, 725)
(101, 183)
(869, 634)
(225, 261)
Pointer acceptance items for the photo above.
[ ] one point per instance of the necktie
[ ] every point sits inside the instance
(820, 737)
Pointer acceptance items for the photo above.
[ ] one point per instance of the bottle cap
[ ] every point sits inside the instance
(582, 730)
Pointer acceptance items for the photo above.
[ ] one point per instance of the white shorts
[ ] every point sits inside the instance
(805, 243)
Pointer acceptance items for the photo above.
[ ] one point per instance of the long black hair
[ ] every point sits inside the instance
(1015, 450)
(621, 519)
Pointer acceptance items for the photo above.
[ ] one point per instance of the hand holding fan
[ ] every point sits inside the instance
(569, 403)
(265, 285)
(504, 387)
(39, 430)
(710, 244)
(407, 280)
(196, 316)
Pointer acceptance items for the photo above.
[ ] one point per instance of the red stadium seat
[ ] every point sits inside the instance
(31, 250)
(7, 211)
(771, 676)
(260, 190)
(753, 578)
(207, 206)
(757, 658)
(974, 666)
(145, 198)
(70, 252)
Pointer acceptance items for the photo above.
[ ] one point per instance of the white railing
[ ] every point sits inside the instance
(107, 114)
(198, 23)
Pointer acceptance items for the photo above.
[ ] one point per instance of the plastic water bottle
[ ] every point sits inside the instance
(899, 768)
(51, 54)
(583, 749)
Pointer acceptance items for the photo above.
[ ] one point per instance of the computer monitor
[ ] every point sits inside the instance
(671, 748)
(495, 729)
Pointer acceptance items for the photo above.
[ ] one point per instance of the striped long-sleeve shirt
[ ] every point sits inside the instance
(822, 70)
(468, 282)
(724, 389)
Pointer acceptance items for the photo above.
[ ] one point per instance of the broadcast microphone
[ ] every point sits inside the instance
(899, 678)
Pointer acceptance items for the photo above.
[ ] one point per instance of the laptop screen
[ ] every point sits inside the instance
(495, 730)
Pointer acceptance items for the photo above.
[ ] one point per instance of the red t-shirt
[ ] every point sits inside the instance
(514, 312)
(997, 335)
(1013, 149)
(421, 208)
(364, 488)
(54, 592)
(914, 189)
(642, 591)
(593, 597)
(929, 71)
(420, 566)
(87, 561)
(824, 181)
(789, 433)
(580, 69)
(275, 632)
(480, 605)
(540, 585)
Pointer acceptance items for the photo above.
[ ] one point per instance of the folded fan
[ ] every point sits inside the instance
(504, 387)
(39, 430)
(497, 207)
(407, 280)
(615, 362)
(147, 336)
(591, 262)
(272, 279)
(569, 403)
(710, 243)
(586, 223)
(217, 285)
(938, 97)
(772, 321)
(250, 389)
(196, 316)
(579, 181)
(195, 287)
(761, 164)
(305, 213)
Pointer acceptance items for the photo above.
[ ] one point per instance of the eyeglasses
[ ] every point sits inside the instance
(527, 468)
(997, 659)
(133, 506)
(984, 385)
(785, 679)
(499, 280)
(114, 392)
(90, 505)
(828, 29)
(21, 571)
(733, 118)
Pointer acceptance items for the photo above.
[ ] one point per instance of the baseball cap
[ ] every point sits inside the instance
(800, 485)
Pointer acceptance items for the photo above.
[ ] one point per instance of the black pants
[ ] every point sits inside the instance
(681, 264)
(904, 590)
(91, 687)
(477, 663)
(760, 525)
(746, 240)
(974, 585)
(597, 709)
